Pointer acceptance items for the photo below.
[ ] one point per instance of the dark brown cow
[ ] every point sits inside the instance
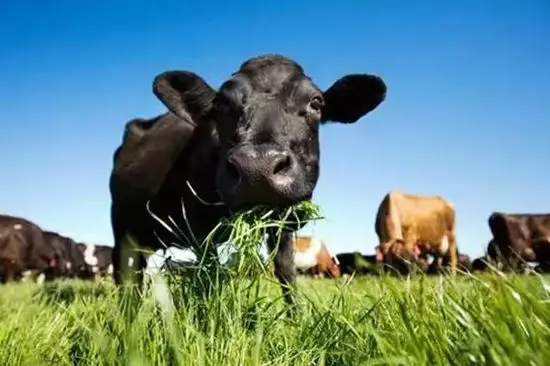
(62, 266)
(312, 257)
(519, 238)
(254, 141)
(404, 221)
(23, 249)
(71, 261)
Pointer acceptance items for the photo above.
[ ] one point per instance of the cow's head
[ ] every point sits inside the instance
(265, 122)
(398, 255)
(334, 268)
(480, 264)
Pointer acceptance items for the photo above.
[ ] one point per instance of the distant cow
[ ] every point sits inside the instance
(480, 264)
(464, 264)
(62, 249)
(254, 141)
(404, 221)
(357, 263)
(23, 249)
(98, 257)
(312, 257)
(520, 238)
(487, 261)
(72, 263)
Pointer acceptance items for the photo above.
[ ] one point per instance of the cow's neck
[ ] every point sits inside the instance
(192, 180)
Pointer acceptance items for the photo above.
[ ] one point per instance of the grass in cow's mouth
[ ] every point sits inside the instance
(245, 231)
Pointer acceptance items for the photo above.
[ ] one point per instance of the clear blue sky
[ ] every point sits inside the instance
(466, 116)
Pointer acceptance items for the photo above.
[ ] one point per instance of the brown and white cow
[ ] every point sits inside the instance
(519, 238)
(407, 222)
(312, 257)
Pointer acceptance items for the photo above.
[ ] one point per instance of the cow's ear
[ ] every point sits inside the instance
(352, 97)
(185, 94)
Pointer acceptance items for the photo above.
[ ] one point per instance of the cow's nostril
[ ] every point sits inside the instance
(233, 171)
(282, 164)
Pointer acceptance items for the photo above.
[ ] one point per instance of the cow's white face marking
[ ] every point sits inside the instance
(110, 269)
(130, 262)
(308, 258)
(68, 265)
(89, 256)
(17, 226)
(444, 247)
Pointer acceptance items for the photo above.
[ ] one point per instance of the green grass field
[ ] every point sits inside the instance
(489, 319)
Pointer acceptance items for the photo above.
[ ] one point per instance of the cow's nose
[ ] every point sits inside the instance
(279, 164)
(273, 167)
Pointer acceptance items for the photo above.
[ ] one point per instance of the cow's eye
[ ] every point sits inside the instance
(227, 107)
(316, 104)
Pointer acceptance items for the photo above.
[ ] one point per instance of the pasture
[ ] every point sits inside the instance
(487, 319)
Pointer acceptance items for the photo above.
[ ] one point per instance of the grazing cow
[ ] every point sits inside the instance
(254, 141)
(519, 238)
(312, 257)
(357, 263)
(72, 263)
(63, 260)
(23, 249)
(480, 264)
(98, 257)
(406, 221)
(464, 264)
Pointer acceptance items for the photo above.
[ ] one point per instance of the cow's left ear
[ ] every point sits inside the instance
(353, 96)
(185, 94)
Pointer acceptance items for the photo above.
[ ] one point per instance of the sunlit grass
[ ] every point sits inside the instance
(236, 316)
(486, 320)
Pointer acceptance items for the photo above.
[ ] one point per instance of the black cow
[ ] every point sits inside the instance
(358, 264)
(464, 264)
(519, 238)
(62, 267)
(253, 141)
(99, 257)
(72, 263)
(23, 248)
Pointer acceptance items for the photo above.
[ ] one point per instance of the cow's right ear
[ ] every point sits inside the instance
(185, 94)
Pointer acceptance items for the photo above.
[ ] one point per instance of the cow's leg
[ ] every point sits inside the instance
(4, 264)
(120, 265)
(140, 264)
(285, 270)
(453, 253)
(128, 267)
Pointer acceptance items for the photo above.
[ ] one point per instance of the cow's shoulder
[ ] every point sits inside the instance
(418, 202)
(302, 243)
(9, 222)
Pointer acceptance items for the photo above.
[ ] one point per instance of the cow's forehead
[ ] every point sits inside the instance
(271, 75)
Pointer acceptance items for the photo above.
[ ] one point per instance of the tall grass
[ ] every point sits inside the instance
(236, 316)
(482, 320)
